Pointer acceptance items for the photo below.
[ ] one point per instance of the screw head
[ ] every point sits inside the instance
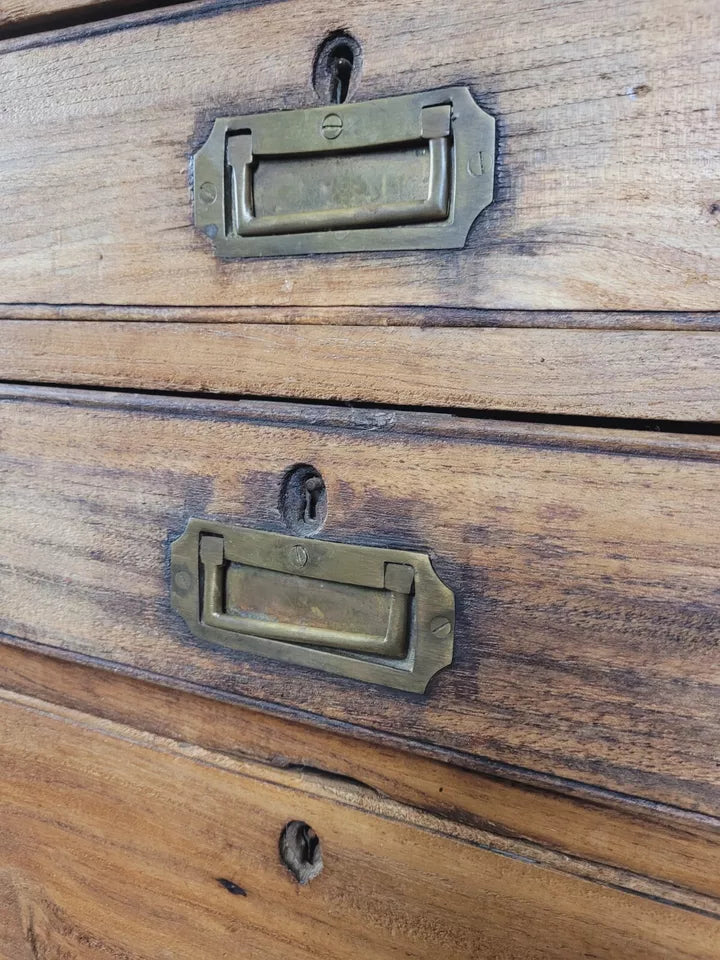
(298, 555)
(332, 126)
(476, 165)
(183, 581)
(441, 627)
(208, 192)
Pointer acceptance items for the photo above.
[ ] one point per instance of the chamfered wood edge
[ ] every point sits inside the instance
(319, 416)
(353, 315)
(27, 689)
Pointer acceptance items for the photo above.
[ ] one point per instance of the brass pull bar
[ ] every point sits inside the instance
(434, 207)
(392, 644)
(374, 614)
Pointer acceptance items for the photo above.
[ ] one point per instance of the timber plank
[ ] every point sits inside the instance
(588, 830)
(664, 375)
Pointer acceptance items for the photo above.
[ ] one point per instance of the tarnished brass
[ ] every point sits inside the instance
(373, 614)
(402, 173)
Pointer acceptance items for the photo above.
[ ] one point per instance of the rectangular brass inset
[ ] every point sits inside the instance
(325, 614)
(406, 172)
(364, 612)
(336, 207)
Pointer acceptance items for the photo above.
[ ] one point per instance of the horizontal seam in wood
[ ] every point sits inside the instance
(698, 321)
(178, 12)
(614, 437)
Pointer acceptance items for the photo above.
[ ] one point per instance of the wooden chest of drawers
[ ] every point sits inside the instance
(532, 417)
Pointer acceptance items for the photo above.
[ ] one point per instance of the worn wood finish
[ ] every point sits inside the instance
(162, 849)
(663, 375)
(607, 197)
(585, 565)
(573, 828)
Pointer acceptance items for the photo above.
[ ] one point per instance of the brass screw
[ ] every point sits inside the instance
(298, 555)
(476, 165)
(208, 192)
(441, 627)
(332, 126)
(183, 580)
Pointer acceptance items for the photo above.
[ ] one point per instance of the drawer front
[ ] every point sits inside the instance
(604, 194)
(160, 850)
(584, 565)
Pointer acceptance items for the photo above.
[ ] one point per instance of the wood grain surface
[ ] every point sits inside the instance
(612, 839)
(585, 565)
(607, 194)
(652, 374)
(120, 844)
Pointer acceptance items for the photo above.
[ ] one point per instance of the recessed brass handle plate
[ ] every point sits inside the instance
(402, 173)
(372, 614)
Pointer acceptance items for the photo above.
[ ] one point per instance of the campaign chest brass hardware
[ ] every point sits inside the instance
(401, 173)
(372, 614)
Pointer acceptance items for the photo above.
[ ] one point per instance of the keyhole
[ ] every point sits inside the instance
(341, 65)
(336, 71)
(314, 487)
(303, 500)
(300, 851)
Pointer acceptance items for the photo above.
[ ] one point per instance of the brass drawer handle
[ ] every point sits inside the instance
(398, 583)
(402, 173)
(433, 207)
(364, 612)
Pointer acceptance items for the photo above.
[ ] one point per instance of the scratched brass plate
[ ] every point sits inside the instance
(401, 173)
(377, 615)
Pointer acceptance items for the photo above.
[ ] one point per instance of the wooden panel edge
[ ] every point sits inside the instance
(23, 17)
(663, 375)
(699, 445)
(34, 23)
(353, 315)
